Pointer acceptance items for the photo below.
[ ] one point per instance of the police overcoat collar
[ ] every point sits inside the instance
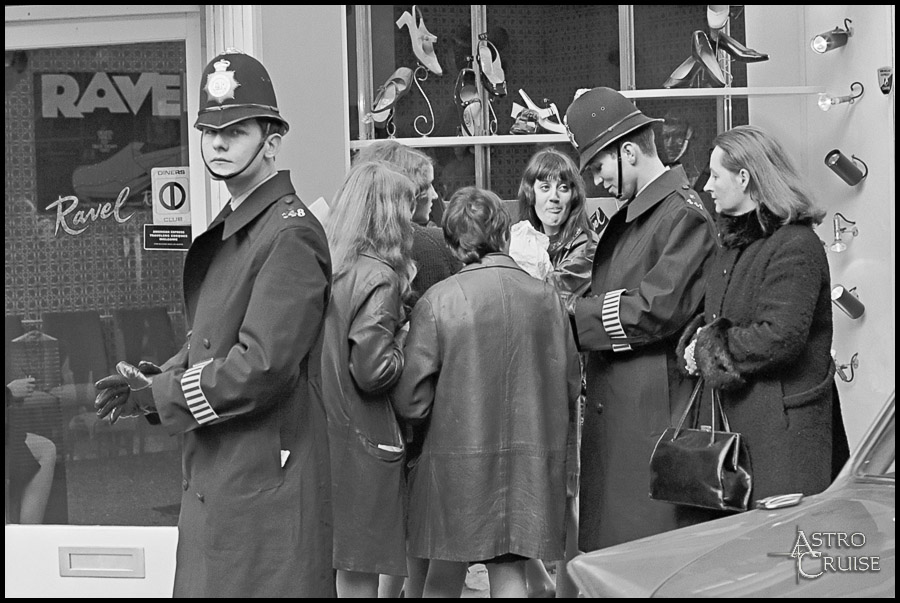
(672, 179)
(268, 193)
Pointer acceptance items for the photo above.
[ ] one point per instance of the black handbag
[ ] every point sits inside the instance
(701, 467)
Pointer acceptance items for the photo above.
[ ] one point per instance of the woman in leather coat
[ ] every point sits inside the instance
(552, 199)
(493, 370)
(369, 235)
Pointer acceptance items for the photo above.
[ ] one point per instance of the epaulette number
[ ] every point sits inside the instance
(294, 213)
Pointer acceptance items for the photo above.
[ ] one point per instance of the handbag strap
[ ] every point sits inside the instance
(694, 395)
(716, 402)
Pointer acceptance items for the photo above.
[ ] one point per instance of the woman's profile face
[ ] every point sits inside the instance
(728, 189)
(425, 200)
(552, 204)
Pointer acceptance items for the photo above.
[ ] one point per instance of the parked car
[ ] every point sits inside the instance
(837, 543)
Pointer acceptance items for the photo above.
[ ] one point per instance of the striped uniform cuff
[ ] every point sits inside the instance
(196, 401)
(611, 321)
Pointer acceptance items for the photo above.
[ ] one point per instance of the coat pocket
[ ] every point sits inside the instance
(813, 394)
(386, 452)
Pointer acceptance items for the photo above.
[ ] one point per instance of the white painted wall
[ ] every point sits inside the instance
(865, 129)
(304, 48)
(32, 561)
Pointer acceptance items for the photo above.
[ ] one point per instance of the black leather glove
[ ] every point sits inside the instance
(128, 393)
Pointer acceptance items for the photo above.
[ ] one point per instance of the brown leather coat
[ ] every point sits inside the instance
(361, 360)
(492, 366)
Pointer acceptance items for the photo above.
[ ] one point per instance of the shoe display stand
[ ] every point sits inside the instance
(510, 139)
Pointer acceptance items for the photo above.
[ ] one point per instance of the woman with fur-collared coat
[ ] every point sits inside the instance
(767, 340)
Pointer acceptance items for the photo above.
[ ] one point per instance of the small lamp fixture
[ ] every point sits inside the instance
(830, 40)
(841, 369)
(839, 229)
(845, 168)
(826, 101)
(846, 300)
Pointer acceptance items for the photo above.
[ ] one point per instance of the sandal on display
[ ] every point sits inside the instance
(526, 120)
(491, 69)
(703, 52)
(422, 39)
(738, 51)
(468, 104)
(548, 118)
(388, 94)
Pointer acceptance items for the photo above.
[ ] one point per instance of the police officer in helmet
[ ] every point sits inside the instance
(255, 516)
(648, 279)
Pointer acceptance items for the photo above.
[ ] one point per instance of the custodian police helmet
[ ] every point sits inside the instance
(598, 118)
(234, 87)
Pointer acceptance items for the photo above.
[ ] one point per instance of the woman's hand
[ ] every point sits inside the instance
(21, 387)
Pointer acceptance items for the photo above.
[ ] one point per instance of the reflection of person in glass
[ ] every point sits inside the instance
(30, 462)
(244, 390)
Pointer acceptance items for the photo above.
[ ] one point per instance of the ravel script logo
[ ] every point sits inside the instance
(840, 555)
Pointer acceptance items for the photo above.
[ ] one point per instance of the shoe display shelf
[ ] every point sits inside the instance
(513, 139)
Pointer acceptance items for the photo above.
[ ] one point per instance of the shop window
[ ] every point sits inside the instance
(547, 51)
(85, 129)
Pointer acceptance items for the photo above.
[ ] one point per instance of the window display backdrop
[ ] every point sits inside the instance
(84, 126)
(549, 52)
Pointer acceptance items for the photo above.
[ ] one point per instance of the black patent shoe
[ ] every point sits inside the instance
(685, 75)
(738, 51)
(703, 52)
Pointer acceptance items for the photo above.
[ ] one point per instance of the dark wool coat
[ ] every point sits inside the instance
(244, 393)
(361, 360)
(492, 366)
(434, 260)
(649, 275)
(767, 349)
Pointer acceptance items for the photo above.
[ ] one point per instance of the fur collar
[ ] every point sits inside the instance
(739, 231)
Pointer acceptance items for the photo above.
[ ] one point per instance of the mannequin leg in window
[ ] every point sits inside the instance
(36, 493)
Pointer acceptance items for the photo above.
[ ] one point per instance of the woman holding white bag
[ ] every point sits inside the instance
(552, 200)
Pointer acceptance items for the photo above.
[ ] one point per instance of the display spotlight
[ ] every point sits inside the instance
(826, 101)
(830, 40)
(840, 227)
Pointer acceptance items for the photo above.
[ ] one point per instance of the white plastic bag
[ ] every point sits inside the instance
(528, 248)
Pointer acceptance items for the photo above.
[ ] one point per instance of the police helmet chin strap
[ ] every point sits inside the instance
(262, 144)
(619, 162)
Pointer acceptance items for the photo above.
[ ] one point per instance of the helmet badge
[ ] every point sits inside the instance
(220, 85)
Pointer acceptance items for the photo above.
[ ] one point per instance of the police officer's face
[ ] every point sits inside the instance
(728, 189)
(605, 170)
(228, 150)
(552, 200)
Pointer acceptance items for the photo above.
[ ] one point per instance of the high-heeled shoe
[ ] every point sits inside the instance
(684, 75)
(468, 103)
(491, 69)
(422, 40)
(703, 52)
(548, 118)
(738, 51)
(388, 94)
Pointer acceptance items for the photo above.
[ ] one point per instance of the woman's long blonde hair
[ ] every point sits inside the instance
(372, 213)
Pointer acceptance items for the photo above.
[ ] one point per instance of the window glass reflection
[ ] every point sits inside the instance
(85, 129)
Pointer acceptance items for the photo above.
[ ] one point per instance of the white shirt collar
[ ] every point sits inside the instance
(236, 201)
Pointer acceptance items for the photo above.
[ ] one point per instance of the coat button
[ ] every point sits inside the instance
(724, 272)
(206, 343)
(184, 484)
(288, 200)
(199, 497)
(714, 316)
